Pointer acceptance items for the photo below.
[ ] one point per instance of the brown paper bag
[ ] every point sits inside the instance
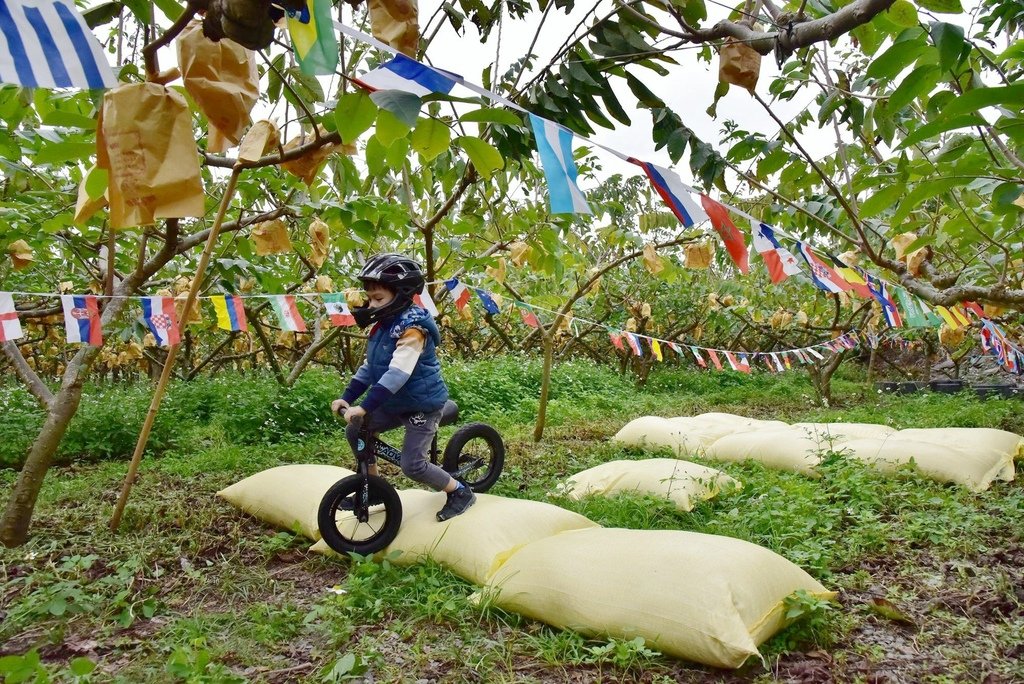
(259, 139)
(396, 22)
(145, 141)
(21, 255)
(307, 166)
(271, 237)
(319, 242)
(739, 64)
(698, 255)
(221, 77)
(652, 261)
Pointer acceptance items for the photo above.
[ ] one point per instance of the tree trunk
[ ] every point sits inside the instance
(545, 385)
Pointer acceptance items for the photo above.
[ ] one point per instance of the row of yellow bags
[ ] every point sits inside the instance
(704, 598)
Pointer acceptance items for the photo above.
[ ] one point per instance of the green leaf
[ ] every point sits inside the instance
(941, 6)
(920, 193)
(62, 152)
(405, 106)
(918, 82)
(81, 666)
(492, 115)
(881, 200)
(949, 39)
(772, 163)
(397, 153)
(1004, 195)
(102, 14)
(69, 120)
(693, 11)
(140, 8)
(869, 37)
(894, 60)
(484, 156)
(375, 156)
(902, 13)
(308, 87)
(354, 114)
(171, 9)
(941, 126)
(389, 128)
(643, 93)
(430, 138)
(1011, 96)
(96, 182)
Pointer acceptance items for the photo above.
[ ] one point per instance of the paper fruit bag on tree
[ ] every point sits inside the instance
(221, 77)
(145, 142)
(396, 22)
(307, 166)
(739, 64)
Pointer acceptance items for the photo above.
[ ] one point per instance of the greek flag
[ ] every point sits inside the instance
(47, 44)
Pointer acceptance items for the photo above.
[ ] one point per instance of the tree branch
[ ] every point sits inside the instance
(28, 376)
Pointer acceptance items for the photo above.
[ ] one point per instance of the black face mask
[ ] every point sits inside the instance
(366, 315)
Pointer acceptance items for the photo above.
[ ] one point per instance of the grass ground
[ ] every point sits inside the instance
(931, 577)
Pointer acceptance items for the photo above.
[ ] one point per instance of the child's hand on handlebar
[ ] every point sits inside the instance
(339, 406)
(353, 412)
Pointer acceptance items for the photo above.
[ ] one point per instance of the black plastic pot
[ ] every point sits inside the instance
(888, 387)
(995, 391)
(946, 386)
(910, 387)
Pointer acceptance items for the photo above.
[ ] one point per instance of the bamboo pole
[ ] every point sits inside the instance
(161, 386)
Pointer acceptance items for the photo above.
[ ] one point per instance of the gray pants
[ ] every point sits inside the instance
(420, 428)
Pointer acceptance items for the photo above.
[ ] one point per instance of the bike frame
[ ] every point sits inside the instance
(383, 450)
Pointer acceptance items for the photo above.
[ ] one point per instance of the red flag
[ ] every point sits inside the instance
(975, 309)
(714, 359)
(727, 230)
(616, 340)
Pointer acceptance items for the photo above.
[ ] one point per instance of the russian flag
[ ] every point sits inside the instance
(824, 277)
(230, 312)
(162, 320)
(10, 326)
(82, 319)
(490, 306)
(676, 195)
(425, 301)
(554, 144)
(780, 262)
(459, 292)
(408, 75)
(337, 310)
(727, 230)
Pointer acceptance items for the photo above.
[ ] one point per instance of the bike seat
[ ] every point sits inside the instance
(449, 413)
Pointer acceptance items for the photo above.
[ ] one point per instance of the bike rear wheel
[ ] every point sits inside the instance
(475, 456)
(367, 528)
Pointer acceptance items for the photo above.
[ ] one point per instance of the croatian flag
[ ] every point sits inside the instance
(82, 319)
(698, 357)
(47, 44)
(337, 310)
(288, 313)
(554, 143)
(459, 292)
(230, 313)
(881, 294)
(490, 306)
(727, 230)
(425, 301)
(634, 343)
(780, 262)
(676, 195)
(408, 75)
(162, 320)
(822, 275)
(10, 326)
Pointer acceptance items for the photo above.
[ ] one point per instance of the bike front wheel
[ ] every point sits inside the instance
(475, 456)
(370, 524)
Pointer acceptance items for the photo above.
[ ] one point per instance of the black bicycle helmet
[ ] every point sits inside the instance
(398, 273)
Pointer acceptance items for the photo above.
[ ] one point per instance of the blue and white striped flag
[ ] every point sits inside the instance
(554, 143)
(47, 44)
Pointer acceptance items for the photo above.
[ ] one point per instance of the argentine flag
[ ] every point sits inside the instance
(554, 143)
(47, 44)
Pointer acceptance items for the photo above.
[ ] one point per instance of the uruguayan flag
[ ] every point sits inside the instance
(554, 143)
(47, 44)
